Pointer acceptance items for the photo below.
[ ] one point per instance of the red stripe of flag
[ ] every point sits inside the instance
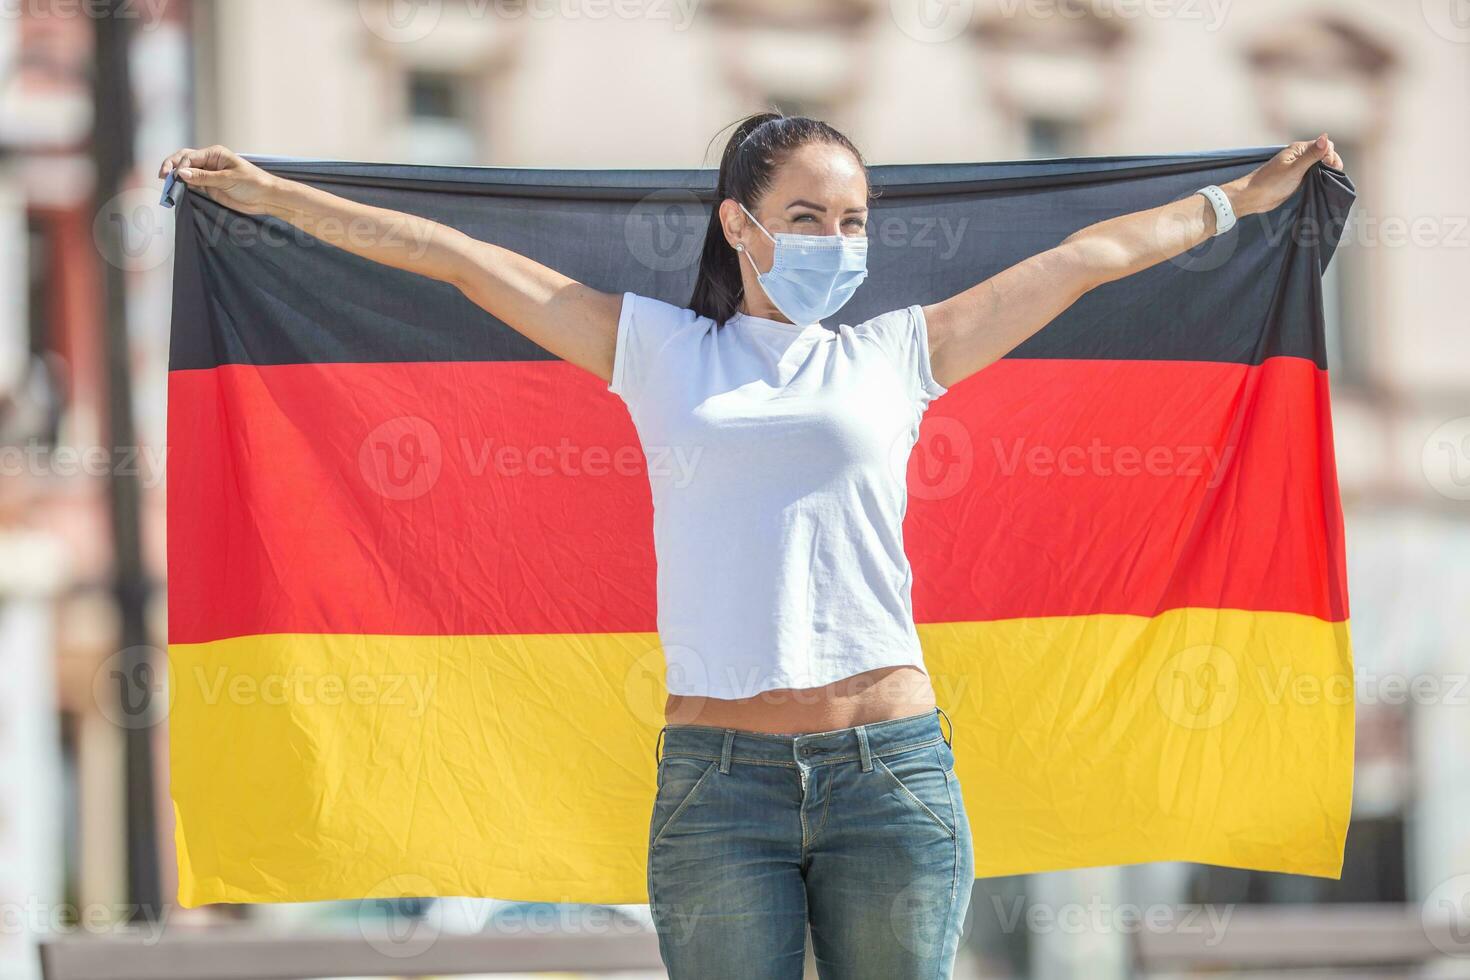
(511, 497)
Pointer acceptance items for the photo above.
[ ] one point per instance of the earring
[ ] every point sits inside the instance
(739, 246)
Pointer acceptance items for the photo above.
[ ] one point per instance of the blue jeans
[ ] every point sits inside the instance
(859, 832)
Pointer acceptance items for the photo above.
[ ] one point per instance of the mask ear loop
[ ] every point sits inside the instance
(740, 246)
(756, 223)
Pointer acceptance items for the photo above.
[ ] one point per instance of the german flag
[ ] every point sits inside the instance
(411, 622)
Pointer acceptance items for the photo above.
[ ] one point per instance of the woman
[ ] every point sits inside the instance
(805, 779)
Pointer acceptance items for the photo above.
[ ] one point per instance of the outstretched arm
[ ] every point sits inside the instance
(575, 322)
(972, 329)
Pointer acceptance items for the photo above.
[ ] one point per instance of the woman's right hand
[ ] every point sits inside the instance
(577, 323)
(224, 176)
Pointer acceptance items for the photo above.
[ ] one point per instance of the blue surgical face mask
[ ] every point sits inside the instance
(812, 276)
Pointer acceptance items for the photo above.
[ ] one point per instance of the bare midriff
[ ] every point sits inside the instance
(862, 699)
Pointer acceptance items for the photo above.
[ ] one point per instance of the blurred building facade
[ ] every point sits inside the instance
(562, 84)
(62, 723)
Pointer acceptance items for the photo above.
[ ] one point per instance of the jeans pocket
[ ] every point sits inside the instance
(922, 782)
(679, 781)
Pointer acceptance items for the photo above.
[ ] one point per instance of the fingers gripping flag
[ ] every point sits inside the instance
(411, 575)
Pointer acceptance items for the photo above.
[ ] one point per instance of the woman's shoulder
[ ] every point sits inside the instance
(654, 313)
(903, 336)
(651, 331)
(901, 318)
(894, 329)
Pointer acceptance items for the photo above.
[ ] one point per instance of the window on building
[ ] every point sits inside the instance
(433, 95)
(1049, 137)
(1055, 80)
(440, 127)
(801, 57)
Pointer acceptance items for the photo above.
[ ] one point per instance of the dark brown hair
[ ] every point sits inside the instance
(759, 145)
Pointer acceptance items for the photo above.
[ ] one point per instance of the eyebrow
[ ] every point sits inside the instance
(817, 207)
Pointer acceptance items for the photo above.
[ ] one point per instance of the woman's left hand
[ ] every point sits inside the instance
(976, 327)
(1264, 188)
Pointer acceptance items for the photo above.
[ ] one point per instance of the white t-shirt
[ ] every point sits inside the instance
(777, 457)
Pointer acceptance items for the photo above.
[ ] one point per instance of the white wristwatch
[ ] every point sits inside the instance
(1224, 213)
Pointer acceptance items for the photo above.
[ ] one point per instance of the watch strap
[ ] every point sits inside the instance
(1224, 213)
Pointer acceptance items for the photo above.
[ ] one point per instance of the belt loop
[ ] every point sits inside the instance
(950, 740)
(657, 745)
(725, 752)
(864, 753)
